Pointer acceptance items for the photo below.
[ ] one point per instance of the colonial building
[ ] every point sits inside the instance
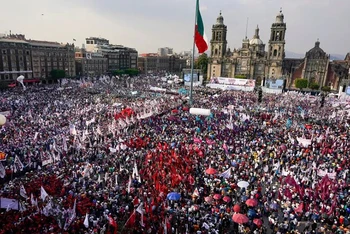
(90, 64)
(15, 59)
(34, 59)
(119, 57)
(48, 56)
(317, 68)
(251, 60)
(155, 63)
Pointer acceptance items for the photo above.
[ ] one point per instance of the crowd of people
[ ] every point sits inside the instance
(112, 157)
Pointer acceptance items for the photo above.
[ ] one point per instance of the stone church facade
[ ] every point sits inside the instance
(252, 61)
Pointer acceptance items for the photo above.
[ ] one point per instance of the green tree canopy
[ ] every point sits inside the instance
(202, 63)
(326, 88)
(301, 83)
(58, 74)
(132, 72)
(314, 86)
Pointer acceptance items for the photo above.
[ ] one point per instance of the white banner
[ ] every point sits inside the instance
(230, 87)
(10, 204)
(233, 81)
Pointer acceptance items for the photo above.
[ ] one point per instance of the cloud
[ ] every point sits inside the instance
(203, 8)
(147, 25)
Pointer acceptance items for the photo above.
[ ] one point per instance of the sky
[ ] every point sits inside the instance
(149, 24)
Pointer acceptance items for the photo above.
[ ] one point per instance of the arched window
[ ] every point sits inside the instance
(216, 51)
(275, 53)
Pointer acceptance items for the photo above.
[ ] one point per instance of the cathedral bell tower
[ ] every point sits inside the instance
(218, 41)
(276, 50)
(218, 47)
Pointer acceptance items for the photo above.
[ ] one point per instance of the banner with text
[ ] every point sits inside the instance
(232, 81)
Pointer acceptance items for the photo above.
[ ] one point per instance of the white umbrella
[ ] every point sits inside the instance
(243, 184)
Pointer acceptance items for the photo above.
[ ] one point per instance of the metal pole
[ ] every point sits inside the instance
(193, 50)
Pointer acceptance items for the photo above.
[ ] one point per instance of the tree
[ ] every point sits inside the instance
(326, 89)
(241, 76)
(132, 72)
(118, 72)
(314, 86)
(202, 63)
(58, 74)
(301, 83)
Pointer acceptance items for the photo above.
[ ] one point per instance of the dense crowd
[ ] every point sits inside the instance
(109, 157)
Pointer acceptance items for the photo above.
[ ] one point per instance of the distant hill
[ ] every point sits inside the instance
(290, 54)
(337, 56)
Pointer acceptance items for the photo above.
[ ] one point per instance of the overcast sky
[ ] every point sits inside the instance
(149, 24)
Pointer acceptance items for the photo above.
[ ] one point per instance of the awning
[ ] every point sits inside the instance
(12, 85)
(31, 80)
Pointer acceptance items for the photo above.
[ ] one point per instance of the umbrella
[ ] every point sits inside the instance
(208, 199)
(242, 184)
(251, 202)
(283, 147)
(240, 218)
(251, 213)
(210, 171)
(237, 208)
(217, 196)
(226, 199)
(258, 222)
(173, 196)
(274, 206)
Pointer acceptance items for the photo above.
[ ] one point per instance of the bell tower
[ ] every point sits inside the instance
(276, 50)
(218, 48)
(218, 41)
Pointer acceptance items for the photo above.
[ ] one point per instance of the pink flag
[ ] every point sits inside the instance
(197, 140)
(210, 142)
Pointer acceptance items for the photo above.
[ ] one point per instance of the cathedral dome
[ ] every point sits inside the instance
(256, 41)
(220, 20)
(280, 17)
(256, 38)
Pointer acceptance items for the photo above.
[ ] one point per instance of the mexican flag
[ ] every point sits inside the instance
(201, 42)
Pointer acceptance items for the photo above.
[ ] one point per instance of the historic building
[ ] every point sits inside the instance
(317, 68)
(15, 59)
(149, 63)
(34, 59)
(251, 60)
(90, 63)
(119, 57)
(48, 56)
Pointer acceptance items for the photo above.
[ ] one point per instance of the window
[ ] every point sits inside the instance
(4, 52)
(275, 52)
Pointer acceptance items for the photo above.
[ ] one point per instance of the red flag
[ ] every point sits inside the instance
(131, 221)
(113, 224)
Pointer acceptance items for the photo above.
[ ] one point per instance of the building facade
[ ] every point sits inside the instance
(119, 57)
(317, 68)
(15, 59)
(90, 64)
(251, 60)
(34, 59)
(48, 56)
(152, 63)
(165, 51)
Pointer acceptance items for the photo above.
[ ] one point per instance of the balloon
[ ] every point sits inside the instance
(2, 120)
(20, 79)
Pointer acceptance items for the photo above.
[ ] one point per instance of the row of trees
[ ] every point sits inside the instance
(129, 72)
(302, 83)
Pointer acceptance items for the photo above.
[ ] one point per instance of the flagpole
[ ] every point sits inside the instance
(193, 50)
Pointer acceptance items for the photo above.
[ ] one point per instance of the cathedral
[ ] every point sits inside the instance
(251, 61)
